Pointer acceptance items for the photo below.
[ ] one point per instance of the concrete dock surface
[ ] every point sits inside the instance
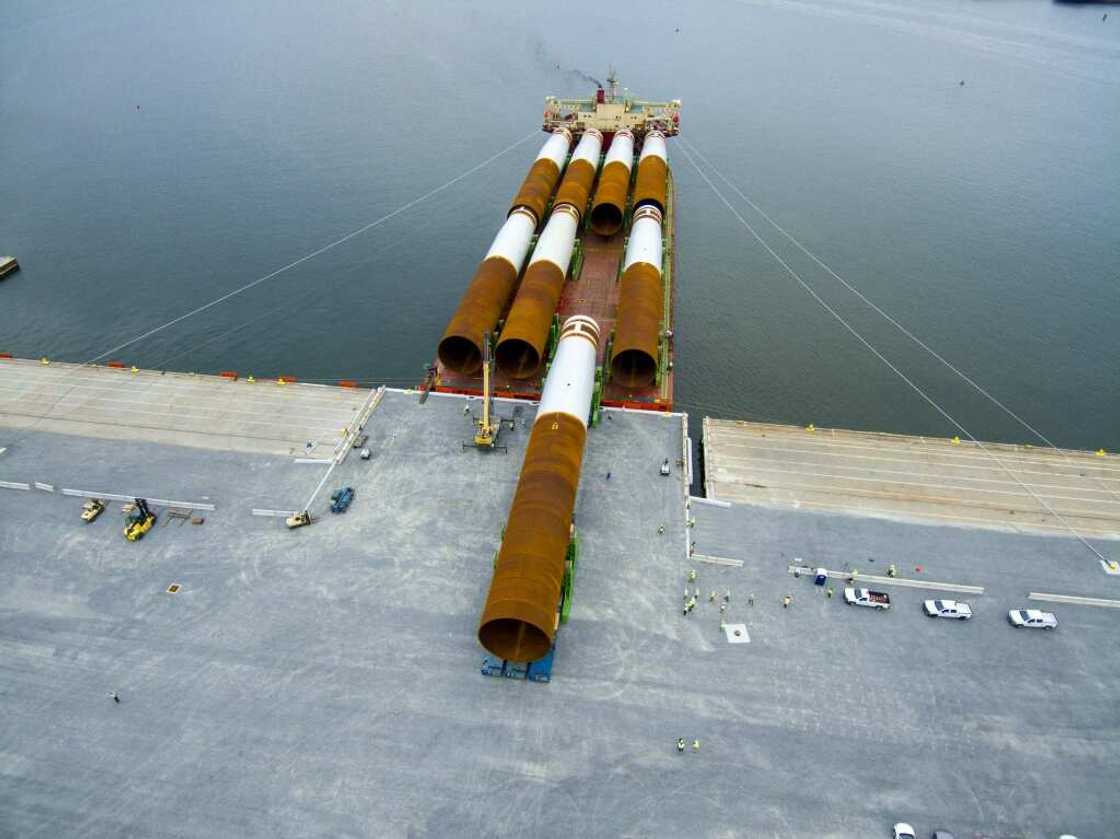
(1008, 487)
(325, 681)
(181, 409)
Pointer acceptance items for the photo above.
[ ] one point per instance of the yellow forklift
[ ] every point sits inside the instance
(140, 521)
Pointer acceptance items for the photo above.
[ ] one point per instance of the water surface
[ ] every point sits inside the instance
(158, 155)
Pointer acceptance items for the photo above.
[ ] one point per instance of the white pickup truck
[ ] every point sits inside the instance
(867, 597)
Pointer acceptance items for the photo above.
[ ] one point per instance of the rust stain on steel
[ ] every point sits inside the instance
(651, 183)
(610, 199)
(638, 327)
(460, 348)
(520, 617)
(521, 347)
(537, 188)
(575, 189)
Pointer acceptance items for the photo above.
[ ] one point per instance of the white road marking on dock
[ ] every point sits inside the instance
(713, 502)
(903, 582)
(1074, 600)
(155, 502)
(718, 560)
(15, 485)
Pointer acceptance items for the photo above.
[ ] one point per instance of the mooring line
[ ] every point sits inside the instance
(859, 337)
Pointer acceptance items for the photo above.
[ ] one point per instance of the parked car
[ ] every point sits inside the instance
(1032, 618)
(341, 498)
(903, 831)
(953, 609)
(867, 597)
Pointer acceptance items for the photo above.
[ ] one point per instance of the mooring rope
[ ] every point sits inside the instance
(893, 367)
(893, 321)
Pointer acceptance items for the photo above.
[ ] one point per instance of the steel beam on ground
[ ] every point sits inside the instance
(1074, 600)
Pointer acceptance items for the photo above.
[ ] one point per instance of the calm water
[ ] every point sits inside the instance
(985, 217)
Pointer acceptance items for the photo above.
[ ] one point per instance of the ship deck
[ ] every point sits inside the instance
(594, 291)
(324, 681)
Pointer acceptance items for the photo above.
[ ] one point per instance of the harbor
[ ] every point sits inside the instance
(343, 655)
(511, 594)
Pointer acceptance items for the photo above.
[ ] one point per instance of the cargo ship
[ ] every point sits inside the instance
(589, 233)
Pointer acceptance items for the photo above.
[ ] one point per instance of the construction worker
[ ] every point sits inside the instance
(892, 570)
(830, 592)
(692, 575)
(116, 697)
(727, 596)
(712, 597)
(786, 601)
(660, 529)
(750, 600)
(695, 745)
(680, 744)
(722, 608)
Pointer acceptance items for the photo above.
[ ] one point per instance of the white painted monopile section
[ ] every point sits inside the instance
(512, 241)
(654, 146)
(571, 378)
(621, 150)
(559, 237)
(644, 244)
(556, 147)
(589, 147)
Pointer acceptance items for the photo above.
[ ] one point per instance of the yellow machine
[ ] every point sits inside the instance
(92, 509)
(487, 434)
(298, 520)
(140, 521)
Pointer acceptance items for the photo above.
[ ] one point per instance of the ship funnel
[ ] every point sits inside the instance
(640, 303)
(520, 617)
(609, 204)
(521, 347)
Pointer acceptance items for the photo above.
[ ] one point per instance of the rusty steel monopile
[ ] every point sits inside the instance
(637, 331)
(609, 205)
(651, 182)
(538, 185)
(460, 348)
(579, 177)
(520, 617)
(521, 348)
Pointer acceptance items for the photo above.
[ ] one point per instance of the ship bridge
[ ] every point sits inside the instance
(609, 111)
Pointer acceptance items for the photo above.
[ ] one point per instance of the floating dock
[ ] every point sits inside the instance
(325, 681)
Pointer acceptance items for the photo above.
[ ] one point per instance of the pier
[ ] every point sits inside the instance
(251, 660)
